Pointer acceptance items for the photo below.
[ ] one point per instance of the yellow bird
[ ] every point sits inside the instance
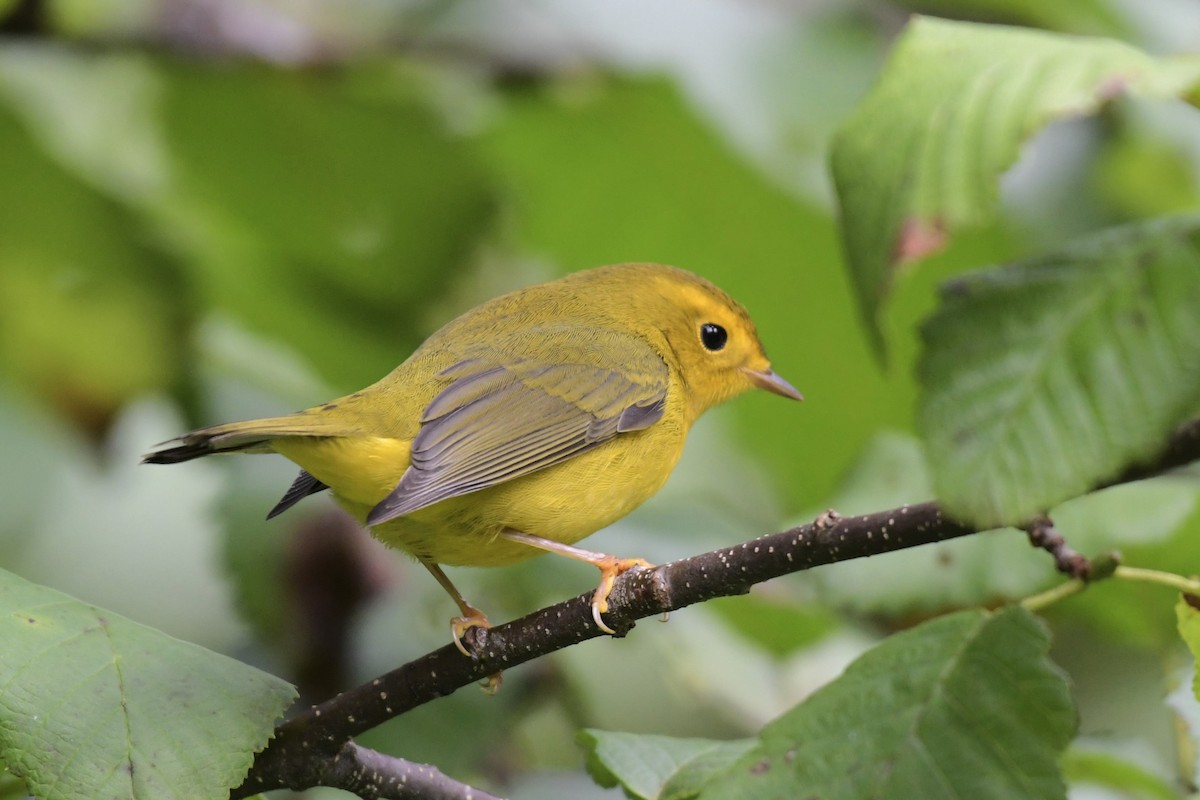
(522, 426)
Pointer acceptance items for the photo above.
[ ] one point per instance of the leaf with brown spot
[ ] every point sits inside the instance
(922, 155)
(919, 238)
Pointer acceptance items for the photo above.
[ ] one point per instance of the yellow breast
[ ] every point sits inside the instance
(565, 502)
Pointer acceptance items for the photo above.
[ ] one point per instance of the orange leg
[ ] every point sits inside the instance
(610, 568)
(471, 618)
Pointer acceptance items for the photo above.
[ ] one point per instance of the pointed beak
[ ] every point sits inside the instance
(767, 379)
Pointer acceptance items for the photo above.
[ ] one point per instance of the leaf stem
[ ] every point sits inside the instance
(1051, 596)
(1185, 585)
(1064, 590)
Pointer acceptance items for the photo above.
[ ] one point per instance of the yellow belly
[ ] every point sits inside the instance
(565, 502)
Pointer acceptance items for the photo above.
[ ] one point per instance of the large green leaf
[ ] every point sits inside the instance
(964, 706)
(95, 706)
(923, 153)
(1043, 378)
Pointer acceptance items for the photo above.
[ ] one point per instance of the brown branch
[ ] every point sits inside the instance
(1182, 449)
(374, 776)
(323, 732)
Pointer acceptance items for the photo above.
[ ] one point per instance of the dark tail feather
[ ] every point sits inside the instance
(187, 451)
(302, 487)
(251, 436)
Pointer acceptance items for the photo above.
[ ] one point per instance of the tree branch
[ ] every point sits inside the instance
(375, 776)
(304, 745)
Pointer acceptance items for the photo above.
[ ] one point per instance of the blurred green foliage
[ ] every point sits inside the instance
(258, 207)
(89, 310)
(359, 205)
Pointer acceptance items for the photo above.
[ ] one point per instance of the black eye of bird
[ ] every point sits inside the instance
(713, 336)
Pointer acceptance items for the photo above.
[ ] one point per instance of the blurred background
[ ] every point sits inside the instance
(220, 209)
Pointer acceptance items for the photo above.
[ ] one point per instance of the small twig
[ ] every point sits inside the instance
(1043, 534)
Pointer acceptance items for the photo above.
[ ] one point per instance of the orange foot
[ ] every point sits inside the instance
(474, 618)
(611, 567)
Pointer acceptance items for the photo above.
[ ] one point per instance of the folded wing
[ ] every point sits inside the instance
(506, 415)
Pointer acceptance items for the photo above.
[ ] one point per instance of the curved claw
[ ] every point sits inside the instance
(611, 567)
(460, 625)
(600, 623)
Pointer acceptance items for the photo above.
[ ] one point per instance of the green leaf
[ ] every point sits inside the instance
(1187, 620)
(101, 19)
(693, 776)
(1105, 769)
(921, 156)
(1043, 378)
(94, 706)
(963, 706)
(657, 767)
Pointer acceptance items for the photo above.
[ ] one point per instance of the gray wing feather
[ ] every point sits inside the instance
(496, 423)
